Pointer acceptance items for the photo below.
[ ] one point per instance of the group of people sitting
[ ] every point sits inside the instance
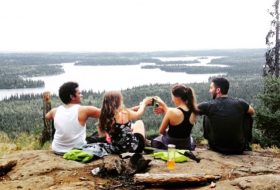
(227, 121)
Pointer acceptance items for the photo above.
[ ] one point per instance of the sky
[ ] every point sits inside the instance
(132, 25)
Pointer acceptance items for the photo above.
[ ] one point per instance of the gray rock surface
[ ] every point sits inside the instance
(41, 169)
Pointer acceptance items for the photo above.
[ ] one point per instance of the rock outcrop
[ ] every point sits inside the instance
(41, 169)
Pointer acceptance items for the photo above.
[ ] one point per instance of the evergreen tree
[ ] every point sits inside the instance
(268, 112)
(272, 41)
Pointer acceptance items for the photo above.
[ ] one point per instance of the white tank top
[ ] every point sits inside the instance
(69, 133)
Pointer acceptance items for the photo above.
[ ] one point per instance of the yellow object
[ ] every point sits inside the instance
(170, 164)
(171, 156)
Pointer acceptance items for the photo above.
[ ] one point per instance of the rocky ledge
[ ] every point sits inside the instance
(41, 169)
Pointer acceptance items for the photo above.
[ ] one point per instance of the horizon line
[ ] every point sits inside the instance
(147, 51)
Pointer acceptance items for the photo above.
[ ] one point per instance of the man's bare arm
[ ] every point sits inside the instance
(88, 111)
(92, 111)
(50, 114)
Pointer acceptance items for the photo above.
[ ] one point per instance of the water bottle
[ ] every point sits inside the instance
(171, 156)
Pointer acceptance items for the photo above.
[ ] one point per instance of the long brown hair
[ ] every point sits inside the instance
(186, 94)
(111, 102)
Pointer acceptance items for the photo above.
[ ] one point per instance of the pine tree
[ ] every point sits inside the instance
(272, 41)
(268, 112)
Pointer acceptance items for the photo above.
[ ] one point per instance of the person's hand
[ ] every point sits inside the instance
(159, 101)
(148, 101)
(158, 110)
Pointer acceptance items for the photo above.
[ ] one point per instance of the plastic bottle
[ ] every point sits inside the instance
(171, 156)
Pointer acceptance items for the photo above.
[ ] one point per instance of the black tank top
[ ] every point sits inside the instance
(183, 130)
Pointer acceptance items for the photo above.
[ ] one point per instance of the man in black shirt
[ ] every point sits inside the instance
(227, 122)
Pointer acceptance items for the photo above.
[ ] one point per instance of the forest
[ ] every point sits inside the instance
(24, 113)
(16, 68)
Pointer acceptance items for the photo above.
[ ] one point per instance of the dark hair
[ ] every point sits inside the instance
(111, 102)
(187, 95)
(221, 83)
(66, 90)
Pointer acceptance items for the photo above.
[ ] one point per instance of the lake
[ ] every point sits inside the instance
(117, 77)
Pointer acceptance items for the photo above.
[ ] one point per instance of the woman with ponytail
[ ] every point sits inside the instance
(178, 121)
(116, 123)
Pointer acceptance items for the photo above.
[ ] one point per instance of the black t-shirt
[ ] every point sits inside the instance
(225, 117)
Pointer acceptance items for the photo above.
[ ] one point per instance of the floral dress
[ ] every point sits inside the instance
(123, 140)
